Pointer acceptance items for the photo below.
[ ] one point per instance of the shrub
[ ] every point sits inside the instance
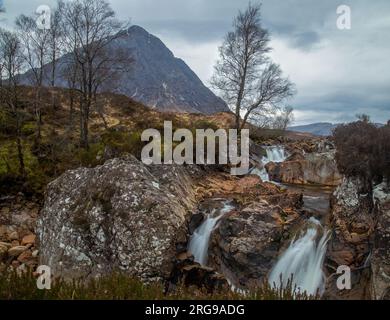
(363, 150)
(384, 151)
(205, 124)
(7, 122)
(123, 142)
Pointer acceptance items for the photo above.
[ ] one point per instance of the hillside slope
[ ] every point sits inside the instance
(156, 77)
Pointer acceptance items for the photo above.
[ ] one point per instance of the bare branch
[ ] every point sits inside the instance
(248, 81)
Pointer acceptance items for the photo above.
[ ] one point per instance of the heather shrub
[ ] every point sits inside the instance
(363, 150)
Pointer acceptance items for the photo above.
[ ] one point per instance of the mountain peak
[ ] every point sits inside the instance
(135, 29)
(156, 78)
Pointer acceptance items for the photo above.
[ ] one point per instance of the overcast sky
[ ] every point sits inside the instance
(338, 73)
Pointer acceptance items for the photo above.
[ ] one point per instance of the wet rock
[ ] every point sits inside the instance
(246, 242)
(315, 168)
(353, 221)
(120, 215)
(380, 261)
(192, 274)
(296, 155)
(203, 277)
(195, 221)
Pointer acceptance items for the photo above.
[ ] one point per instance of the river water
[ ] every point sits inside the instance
(199, 241)
(302, 261)
(303, 258)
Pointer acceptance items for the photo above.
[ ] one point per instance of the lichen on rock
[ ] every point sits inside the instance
(114, 217)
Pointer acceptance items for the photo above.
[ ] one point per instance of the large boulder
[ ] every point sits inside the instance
(353, 223)
(246, 242)
(314, 168)
(121, 215)
(380, 262)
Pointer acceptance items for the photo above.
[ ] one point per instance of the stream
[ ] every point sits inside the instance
(303, 258)
(302, 261)
(199, 241)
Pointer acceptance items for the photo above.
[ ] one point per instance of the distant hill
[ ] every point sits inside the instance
(156, 78)
(318, 129)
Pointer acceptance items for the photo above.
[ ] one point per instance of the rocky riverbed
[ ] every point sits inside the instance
(138, 219)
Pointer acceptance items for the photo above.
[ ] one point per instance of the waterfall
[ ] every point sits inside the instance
(274, 154)
(199, 241)
(303, 259)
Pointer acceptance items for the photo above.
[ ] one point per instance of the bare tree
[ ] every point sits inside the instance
(55, 34)
(35, 52)
(363, 117)
(12, 64)
(90, 27)
(248, 81)
(283, 119)
(70, 73)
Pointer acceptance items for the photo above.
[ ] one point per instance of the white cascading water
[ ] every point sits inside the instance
(199, 242)
(303, 260)
(274, 154)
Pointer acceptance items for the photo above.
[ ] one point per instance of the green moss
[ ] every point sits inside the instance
(29, 128)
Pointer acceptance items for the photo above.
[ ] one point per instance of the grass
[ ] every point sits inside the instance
(117, 286)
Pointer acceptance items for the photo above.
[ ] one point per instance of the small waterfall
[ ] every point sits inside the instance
(199, 242)
(303, 259)
(274, 154)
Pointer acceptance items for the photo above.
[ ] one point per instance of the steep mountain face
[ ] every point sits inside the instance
(160, 80)
(156, 78)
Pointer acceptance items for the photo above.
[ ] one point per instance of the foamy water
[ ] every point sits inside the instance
(199, 241)
(303, 260)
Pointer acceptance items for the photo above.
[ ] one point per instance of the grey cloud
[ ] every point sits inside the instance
(356, 76)
(191, 30)
(305, 40)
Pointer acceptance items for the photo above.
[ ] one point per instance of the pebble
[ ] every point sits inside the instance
(15, 251)
(29, 239)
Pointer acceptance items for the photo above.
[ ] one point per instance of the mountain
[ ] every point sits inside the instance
(156, 78)
(318, 129)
